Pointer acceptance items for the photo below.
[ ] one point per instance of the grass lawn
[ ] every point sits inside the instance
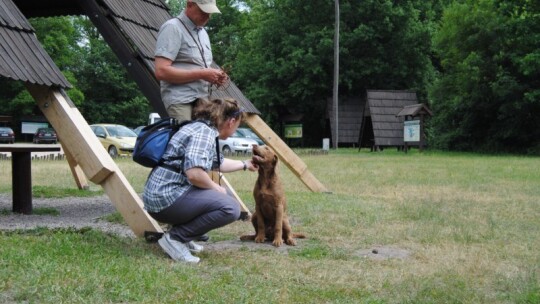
(428, 227)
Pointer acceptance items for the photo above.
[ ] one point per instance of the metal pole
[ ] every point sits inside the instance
(336, 76)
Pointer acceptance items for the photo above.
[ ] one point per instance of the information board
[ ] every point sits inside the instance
(293, 131)
(411, 130)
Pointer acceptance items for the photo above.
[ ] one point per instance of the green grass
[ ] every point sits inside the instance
(469, 223)
(114, 217)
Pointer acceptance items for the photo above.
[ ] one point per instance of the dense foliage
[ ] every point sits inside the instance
(284, 58)
(476, 63)
(488, 94)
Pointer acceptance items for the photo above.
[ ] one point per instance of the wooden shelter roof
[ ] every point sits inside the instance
(349, 120)
(130, 27)
(21, 55)
(415, 110)
(383, 108)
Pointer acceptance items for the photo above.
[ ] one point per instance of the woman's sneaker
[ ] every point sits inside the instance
(177, 250)
(194, 247)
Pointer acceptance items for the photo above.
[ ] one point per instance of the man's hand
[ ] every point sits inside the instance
(216, 76)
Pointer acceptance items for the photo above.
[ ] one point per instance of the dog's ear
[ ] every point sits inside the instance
(275, 160)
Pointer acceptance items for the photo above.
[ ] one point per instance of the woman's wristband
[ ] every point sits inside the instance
(245, 165)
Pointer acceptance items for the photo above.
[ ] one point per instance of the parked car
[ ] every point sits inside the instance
(45, 135)
(7, 135)
(237, 143)
(116, 139)
(138, 129)
(248, 133)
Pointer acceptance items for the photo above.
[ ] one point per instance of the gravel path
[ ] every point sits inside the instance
(75, 212)
(80, 212)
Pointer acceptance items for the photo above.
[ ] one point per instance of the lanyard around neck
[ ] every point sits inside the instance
(199, 44)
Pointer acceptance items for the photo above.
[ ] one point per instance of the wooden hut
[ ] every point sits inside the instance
(349, 119)
(381, 127)
(371, 121)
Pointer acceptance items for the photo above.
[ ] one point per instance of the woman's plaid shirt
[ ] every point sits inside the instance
(194, 145)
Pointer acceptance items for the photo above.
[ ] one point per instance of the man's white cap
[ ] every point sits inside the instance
(207, 6)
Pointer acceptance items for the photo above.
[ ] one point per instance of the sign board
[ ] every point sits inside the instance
(326, 144)
(31, 127)
(293, 131)
(411, 130)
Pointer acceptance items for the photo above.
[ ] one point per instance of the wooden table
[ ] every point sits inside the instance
(21, 172)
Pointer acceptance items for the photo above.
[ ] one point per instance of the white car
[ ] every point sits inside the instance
(236, 143)
(248, 133)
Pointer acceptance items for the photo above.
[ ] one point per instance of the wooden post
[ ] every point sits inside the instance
(287, 156)
(76, 171)
(218, 178)
(421, 147)
(22, 182)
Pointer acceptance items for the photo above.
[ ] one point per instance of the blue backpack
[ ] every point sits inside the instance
(153, 140)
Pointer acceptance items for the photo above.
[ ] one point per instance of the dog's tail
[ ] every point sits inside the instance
(299, 235)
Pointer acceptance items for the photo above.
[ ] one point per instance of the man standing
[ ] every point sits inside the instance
(183, 57)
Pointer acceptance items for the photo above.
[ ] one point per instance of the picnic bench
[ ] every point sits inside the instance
(21, 172)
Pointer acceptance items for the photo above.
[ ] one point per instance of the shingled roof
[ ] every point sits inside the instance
(349, 120)
(21, 55)
(130, 28)
(383, 107)
(415, 110)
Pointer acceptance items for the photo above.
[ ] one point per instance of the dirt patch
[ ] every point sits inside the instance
(383, 253)
(246, 245)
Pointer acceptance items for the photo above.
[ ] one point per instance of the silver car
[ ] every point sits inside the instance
(236, 143)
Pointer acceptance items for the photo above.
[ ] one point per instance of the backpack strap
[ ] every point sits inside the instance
(178, 127)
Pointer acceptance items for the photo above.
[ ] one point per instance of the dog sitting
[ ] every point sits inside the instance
(270, 217)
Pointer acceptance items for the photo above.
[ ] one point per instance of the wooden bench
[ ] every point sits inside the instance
(21, 172)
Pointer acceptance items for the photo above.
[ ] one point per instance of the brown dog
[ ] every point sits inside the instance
(270, 217)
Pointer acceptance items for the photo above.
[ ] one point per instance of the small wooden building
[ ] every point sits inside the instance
(349, 120)
(371, 121)
(413, 129)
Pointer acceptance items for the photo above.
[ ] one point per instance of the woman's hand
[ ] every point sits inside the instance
(230, 165)
(221, 189)
(251, 166)
(199, 178)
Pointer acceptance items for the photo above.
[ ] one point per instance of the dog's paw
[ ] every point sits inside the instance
(259, 239)
(277, 242)
(290, 242)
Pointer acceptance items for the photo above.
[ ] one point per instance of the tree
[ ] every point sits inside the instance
(108, 89)
(59, 39)
(487, 96)
(285, 61)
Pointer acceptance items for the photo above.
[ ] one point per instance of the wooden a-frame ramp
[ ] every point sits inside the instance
(131, 36)
(88, 156)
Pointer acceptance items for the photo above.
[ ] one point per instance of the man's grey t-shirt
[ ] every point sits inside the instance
(176, 44)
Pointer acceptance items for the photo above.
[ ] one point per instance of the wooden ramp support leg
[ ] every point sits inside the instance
(76, 171)
(287, 156)
(85, 149)
(218, 178)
